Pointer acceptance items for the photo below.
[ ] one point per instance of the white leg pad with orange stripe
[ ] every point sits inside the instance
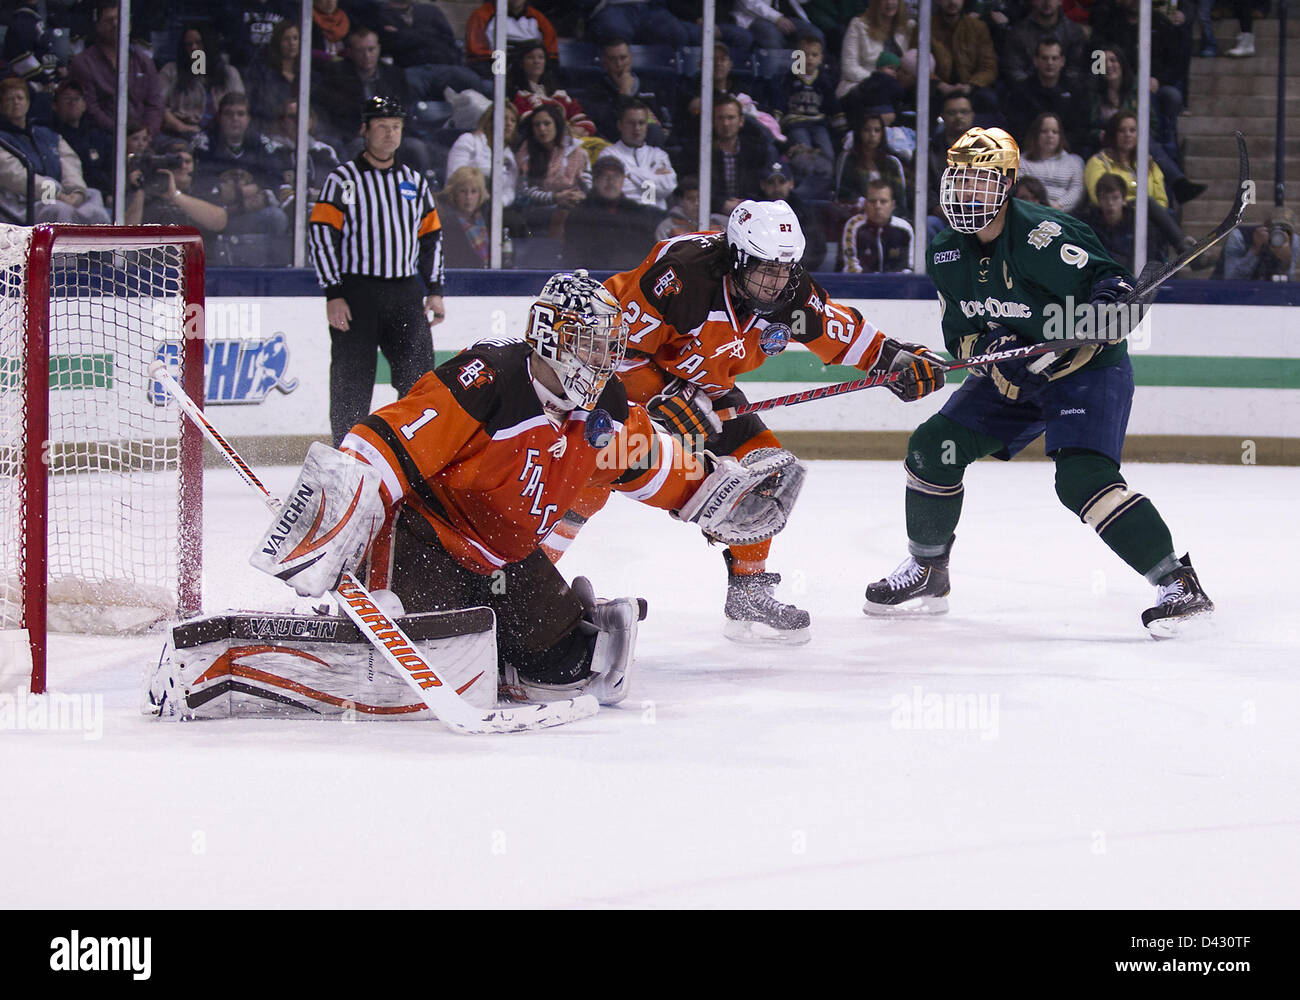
(242, 665)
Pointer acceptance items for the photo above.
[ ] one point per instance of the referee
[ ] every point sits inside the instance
(376, 244)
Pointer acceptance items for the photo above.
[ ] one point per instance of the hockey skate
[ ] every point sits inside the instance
(755, 616)
(918, 587)
(1179, 601)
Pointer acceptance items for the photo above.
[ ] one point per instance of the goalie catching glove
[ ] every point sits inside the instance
(746, 501)
(326, 524)
(920, 370)
(685, 411)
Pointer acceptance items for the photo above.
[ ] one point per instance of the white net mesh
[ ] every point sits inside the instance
(113, 451)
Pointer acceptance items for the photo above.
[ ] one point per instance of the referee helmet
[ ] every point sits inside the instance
(382, 107)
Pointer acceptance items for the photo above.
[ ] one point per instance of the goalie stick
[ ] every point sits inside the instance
(1153, 276)
(384, 634)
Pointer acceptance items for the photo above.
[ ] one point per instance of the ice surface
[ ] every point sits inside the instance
(1111, 770)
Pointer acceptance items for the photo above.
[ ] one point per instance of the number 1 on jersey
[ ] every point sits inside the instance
(408, 430)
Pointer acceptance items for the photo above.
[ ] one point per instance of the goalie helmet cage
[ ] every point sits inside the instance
(101, 477)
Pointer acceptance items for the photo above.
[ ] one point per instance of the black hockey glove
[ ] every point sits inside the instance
(1112, 323)
(1018, 380)
(685, 411)
(921, 371)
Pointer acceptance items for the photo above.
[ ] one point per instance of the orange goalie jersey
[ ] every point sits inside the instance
(472, 451)
(683, 321)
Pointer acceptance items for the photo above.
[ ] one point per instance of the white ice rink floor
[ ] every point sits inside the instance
(1101, 769)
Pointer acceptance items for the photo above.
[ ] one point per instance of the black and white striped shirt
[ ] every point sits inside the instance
(376, 223)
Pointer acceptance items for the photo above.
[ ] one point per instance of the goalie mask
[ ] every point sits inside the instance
(576, 325)
(765, 245)
(982, 166)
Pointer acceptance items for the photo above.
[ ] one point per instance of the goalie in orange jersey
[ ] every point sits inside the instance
(452, 488)
(705, 308)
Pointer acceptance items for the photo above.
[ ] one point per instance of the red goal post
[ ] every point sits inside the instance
(101, 478)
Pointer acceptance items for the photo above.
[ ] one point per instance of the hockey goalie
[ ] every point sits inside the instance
(446, 496)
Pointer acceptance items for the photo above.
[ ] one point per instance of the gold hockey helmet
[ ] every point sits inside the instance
(982, 166)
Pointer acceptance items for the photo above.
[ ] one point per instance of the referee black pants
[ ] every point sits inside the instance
(387, 315)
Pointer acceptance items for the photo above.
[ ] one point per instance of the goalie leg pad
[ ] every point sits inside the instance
(301, 666)
(324, 528)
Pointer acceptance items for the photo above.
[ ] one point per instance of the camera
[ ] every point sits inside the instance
(1279, 234)
(150, 166)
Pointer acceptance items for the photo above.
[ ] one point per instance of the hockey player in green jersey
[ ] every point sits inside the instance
(1009, 273)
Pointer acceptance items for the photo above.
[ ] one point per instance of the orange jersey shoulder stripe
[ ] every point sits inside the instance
(324, 212)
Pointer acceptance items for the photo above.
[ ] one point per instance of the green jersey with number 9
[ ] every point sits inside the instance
(1036, 279)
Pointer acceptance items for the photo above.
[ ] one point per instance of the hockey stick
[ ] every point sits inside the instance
(384, 634)
(1153, 276)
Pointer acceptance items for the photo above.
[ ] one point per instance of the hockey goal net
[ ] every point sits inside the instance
(100, 476)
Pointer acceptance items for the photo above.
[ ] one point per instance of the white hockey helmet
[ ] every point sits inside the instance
(766, 245)
(576, 325)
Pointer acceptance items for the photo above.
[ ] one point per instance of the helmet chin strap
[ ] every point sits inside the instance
(557, 407)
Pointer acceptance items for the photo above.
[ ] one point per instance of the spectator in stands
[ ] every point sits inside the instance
(607, 227)
(194, 85)
(965, 61)
(96, 70)
(1044, 20)
(466, 228)
(1243, 10)
(687, 119)
(1029, 189)
(808, 110)
(958, 116)
(321, 157)
(738, 162)
(92, 144)
(1117, 91)
(1111, 218)
(531, 80)
(273, 75)
(648, 176)
(769, 26)
(474, 149)
(330, 28)
(256, 232)
(1045, 155)
(875, 240)
(61, 191)
(833, 17)
(421, 41)
(868, 159)
(684, 212)
(233, 142)
(524, 23)
(604, 98)
(648, 21)
(1118, 156)
(28, 50)
(247, 26)
(344, 89)
(1263, 253)
(162, 195)
(884, 27)
(885, 87)
(554, 172)
(1049, 90)
(1115, 22)
(778, 185)
(1112, 91)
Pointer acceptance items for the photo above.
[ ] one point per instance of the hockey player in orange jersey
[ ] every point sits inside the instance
(705, 308)
(452, 488)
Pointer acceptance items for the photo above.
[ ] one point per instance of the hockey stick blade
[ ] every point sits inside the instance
(385, 635)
